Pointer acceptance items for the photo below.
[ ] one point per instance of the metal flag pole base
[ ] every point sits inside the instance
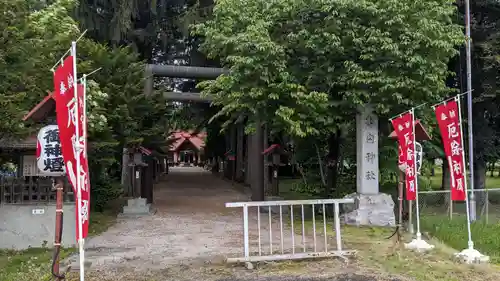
(471, 255)
(418, 244)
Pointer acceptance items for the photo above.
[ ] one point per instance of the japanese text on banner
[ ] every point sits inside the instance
(449, 124)
(403, 125)
(66, 103)
(50, 161)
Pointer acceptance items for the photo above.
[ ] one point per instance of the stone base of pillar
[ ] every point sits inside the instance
(370, 210)
(136, 207)
(471, 255)
(419, 245)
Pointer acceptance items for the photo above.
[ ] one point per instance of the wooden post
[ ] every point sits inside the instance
(147, 180)
(400, 202)
(59, 186)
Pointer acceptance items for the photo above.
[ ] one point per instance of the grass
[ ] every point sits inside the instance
(376, 251)
(436, 222)
(454, 233)
(381, 256)
(32, 264)
(35, 264)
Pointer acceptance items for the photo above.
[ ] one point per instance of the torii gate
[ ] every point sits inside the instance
(173, 71)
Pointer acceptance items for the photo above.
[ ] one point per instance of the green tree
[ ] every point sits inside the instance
(305, 66)
(485, 16)
(310, 63)
(35, 36)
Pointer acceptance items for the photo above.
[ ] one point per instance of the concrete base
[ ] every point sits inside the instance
(137, 207)
(370, 210)
(419, 245)
(472, 256)
(30, 226)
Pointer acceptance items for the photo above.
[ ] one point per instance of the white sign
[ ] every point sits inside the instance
(49, 157)
(419, 155)
(367, 152)
(38, 211)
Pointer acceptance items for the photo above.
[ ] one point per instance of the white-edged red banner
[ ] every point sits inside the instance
(66, 103)
(405, 130)
(449, 122)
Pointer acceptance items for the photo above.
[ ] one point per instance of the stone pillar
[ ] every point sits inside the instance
(139, 204)
(367, 160)
(371, 207)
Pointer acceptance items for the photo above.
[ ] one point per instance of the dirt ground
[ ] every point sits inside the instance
(191, 234)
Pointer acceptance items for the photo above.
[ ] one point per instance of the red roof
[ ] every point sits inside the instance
(41, 110)
(182, 136)
(420, 132)
(145, 151)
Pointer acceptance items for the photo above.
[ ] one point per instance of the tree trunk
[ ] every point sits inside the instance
(215, 165)
(320, 164)
(445, 180)
(332, 163)
(479, 183)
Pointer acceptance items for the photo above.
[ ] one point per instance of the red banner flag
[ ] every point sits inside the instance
(405, 130)
(447, 115)
(66, 120)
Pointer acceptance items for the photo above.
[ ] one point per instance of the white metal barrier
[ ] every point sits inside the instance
(308, 249)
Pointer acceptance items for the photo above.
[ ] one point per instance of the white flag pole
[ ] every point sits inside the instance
(417, 244)
(470, 243)
(84, 114)
(417, 208)
(469, 255)
(69, 51)
(78, 168)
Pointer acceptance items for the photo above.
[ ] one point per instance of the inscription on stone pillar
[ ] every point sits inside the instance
(367, 151)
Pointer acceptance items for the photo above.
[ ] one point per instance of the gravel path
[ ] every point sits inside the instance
(191, 225)
(192, 233)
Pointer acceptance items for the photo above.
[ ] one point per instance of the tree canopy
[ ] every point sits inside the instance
(301, 67)
(305, 65)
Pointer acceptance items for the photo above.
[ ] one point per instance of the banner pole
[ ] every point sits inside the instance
(470, 243)
(468, 65)
(78, 168)
(417, 207)
(469, 255)
(417, 244)
(84, 113)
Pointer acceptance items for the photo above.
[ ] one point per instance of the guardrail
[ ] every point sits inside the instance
(276, 211)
